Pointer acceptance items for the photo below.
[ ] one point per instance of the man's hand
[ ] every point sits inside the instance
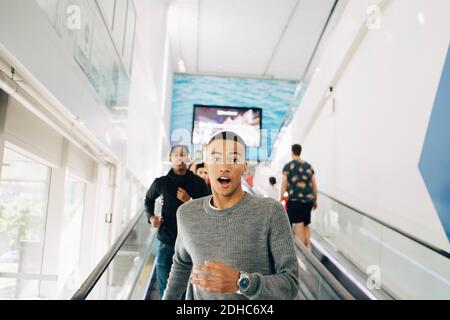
(215, 277)
(183, 195)
(156, 221)
(315, 205)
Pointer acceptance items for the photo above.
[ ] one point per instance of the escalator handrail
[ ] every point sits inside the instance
(324, 273)
(335, 285)
(101, 267)
(403, 233)
(250, 189)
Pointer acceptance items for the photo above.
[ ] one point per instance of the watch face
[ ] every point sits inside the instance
(244, 283)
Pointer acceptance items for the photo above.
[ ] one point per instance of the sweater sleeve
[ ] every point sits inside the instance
(181, 268)
(283, 284)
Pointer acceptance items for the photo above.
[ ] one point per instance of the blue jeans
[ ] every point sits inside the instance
(163, 265)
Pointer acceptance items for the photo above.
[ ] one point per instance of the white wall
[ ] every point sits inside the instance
(40, 55)
(367, 152)
(30, 44)
(167, 100)
(148, 116)
(281, 155)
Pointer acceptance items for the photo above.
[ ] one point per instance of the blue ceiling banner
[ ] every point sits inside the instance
(434, 162)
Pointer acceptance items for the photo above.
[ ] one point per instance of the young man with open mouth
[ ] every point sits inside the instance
(232, 245)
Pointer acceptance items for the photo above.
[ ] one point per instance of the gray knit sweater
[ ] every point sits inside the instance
(254, 237)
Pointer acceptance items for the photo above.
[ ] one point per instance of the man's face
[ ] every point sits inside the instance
(203, 173)
(179, 158)
(226, 164)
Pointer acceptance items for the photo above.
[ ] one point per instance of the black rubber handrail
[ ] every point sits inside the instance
(324, 273)
(403, 233)
(101, 267)
(334, 284)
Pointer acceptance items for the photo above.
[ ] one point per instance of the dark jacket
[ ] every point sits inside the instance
(167, 187)
(209, 189)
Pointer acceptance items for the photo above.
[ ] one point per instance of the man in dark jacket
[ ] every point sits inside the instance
(179, 186)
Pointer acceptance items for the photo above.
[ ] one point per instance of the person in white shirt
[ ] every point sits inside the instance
(273, 191)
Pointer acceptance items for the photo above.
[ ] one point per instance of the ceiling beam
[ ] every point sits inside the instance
(324, 29)
(199, 3)
(286, 26)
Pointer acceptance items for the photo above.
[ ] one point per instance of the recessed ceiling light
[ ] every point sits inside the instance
(181, 66)
(421, 18)
(390, 36)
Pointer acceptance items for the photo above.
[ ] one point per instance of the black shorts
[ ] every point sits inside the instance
(299, 212)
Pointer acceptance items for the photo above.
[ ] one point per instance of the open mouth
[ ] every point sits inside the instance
(224, 181)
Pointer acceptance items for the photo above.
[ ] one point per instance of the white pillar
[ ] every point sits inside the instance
(4, 97)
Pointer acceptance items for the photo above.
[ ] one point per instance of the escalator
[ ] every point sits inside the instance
(364, 255)
(315, 281)
(127, 271)
(345, 244)
(327, 275)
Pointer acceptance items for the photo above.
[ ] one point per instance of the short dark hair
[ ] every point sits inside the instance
(199, 166)
(297, 150)
(228, 136)
(273, 181)
(178, 146)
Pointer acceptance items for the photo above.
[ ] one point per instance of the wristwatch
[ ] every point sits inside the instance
(243, 282)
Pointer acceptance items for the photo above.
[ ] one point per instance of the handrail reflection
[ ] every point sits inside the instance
(101, 267)
(423, 243)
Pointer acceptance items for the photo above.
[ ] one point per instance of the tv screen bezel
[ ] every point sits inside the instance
(227, 107)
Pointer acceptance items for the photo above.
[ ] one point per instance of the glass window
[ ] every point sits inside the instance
(129, 37)
(50, 8)
(120, 16)
(107, 7)
(126, 214)
(69, 267)
(23, 207)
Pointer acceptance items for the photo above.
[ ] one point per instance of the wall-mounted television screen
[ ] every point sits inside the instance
(209, 120)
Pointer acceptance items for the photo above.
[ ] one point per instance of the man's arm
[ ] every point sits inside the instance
(284, 185)
(314, 185)
(181, 268)
(283, 284)
(199, 190)
(150, 198)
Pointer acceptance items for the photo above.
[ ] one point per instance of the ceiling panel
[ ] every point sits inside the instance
(183, 33)
(240, 35)
(246, 37)
(299, 41)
